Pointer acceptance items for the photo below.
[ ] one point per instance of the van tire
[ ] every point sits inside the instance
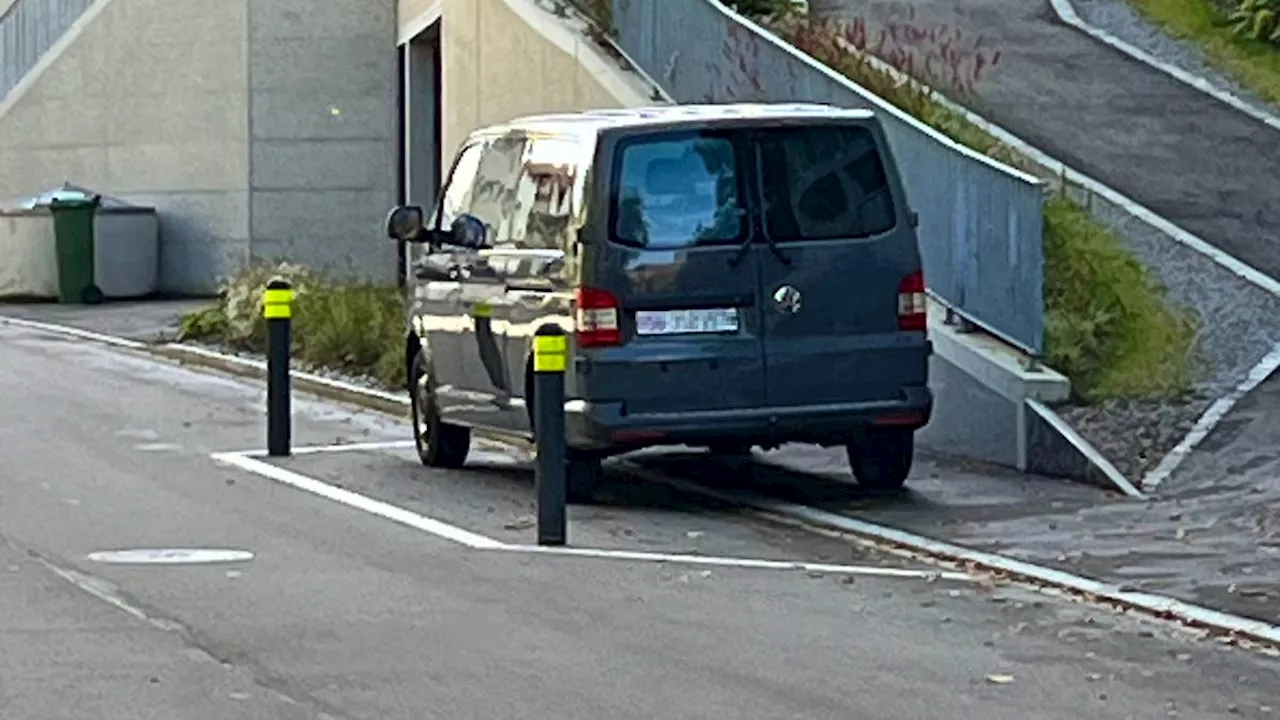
(439, 444)
(583, 475)
(881, 458)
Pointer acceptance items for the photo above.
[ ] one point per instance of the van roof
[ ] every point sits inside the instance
(591, 122)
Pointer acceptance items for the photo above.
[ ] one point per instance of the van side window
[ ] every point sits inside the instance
(824, 182)
(495, 199)
(456, 198)
(675, 190)
(549, 170)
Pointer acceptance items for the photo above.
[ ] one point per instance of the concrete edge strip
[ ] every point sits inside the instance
(1157, 606)
(1210, 419)
(1066, 12)
(1086, 448)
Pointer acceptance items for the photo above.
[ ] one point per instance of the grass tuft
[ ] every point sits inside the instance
(355, 328)
(1253, 63)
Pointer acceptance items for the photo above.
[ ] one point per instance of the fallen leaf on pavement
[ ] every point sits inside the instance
(521, 523)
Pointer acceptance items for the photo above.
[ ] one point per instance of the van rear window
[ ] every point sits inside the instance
(823, 182)
(676, 190)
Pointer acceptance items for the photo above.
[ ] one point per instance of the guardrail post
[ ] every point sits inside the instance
(277, 308)
(550, 360)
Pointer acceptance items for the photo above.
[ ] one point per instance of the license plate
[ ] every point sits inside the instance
(686, 322)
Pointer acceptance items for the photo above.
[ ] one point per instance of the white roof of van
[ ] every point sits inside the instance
(590, 122)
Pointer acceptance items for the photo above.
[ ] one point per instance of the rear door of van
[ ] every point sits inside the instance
(841, 283)
(669, 314)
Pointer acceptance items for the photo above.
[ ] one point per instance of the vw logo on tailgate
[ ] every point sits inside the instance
(787, 299)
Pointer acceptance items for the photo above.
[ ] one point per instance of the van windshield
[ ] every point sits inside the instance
(677, 190)
(823, 182)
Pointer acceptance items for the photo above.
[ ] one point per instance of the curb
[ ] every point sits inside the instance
(1228, 628)
(1231, 629)
(1066, 12)
(317, 385)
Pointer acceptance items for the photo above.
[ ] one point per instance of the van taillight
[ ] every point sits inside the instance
(913, 311)
(595, 319)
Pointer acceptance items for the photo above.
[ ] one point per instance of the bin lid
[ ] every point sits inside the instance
(68, 193)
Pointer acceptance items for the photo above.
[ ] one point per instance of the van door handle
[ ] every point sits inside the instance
(528, 286)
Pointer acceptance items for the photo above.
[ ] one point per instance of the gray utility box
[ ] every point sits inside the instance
(124, 246)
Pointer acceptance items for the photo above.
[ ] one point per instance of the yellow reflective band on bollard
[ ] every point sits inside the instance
(277, 304)
(482, 310)
(550, 353)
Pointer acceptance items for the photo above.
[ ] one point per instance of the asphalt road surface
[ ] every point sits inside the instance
(341, 614)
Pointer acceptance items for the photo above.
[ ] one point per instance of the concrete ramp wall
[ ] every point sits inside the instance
(508, 58)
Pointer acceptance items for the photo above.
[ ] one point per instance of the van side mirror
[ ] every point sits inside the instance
(404, 223)
(467, 231)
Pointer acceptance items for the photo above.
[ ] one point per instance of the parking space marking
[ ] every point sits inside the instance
(357, 501)
(337, 448)
(250, 461)
(743, 563)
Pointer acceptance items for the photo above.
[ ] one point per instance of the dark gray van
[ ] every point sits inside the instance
(730, 276)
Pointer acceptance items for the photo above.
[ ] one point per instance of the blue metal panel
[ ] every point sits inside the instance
(981, 222)
(28, 30)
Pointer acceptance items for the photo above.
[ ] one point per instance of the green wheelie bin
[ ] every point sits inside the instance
(73, 220)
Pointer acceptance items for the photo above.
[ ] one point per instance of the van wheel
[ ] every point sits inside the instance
(439, 444)
(583, 475)
(881, 458)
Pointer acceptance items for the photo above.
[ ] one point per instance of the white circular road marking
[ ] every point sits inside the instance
(170, 556)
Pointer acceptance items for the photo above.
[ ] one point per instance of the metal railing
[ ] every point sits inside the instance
(28, 30)
(981, 222)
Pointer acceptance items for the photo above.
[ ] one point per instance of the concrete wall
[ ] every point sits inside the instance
(269, 132)
(507, 58)
(137, 107)
(323, 121)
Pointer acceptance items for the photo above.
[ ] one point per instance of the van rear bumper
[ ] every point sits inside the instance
(603, 425)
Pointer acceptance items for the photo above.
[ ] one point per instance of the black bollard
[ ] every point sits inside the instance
(277, 308)
(550, 360)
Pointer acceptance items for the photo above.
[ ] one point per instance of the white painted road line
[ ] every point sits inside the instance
(743, 563)
(889, 538)
(1210, 419)
(249, 462)
(1155, 605)
(358, 501)
(1066, 12)
(336, 448)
